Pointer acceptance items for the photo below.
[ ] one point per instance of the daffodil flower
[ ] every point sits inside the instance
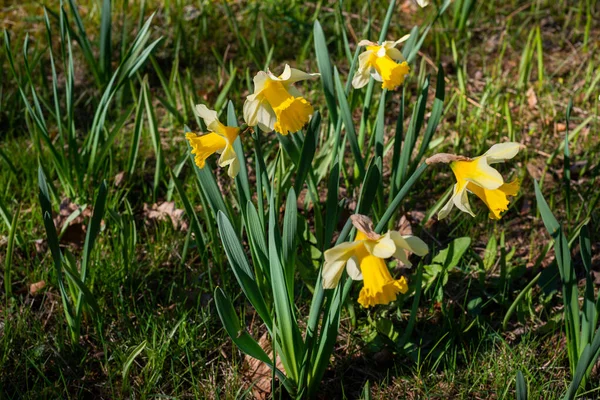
(364, 259)
(219, 140)
(384, 62)
(423, 3)
(276, 104)
(475, 175)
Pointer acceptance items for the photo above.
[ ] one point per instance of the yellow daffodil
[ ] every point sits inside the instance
(276, 104)
(384, 62)
(219, 140)
(364, 259)
(475, 175)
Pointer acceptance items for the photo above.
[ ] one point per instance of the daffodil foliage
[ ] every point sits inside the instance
(280, 241)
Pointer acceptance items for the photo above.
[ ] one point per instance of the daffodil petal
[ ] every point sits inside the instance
(445, 210)
(210, 117)
(366, 42)
(461, 200)
(484, 175)
(395, 54)
(353, 270)
(335, 259)
(332, 272)
(266, 117)
(292, 75)
(362, 75)
(411, 243)
(251, 107)
(382, 248)
(502, 152)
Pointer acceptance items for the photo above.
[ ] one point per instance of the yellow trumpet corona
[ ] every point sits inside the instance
(364, 259)
(219, 140)
(383, 62)
(276, 104)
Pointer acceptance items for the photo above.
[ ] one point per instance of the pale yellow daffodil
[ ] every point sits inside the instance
(364, 259)
(384, 62)
(276, 104)
(475, 175)
(219, 140)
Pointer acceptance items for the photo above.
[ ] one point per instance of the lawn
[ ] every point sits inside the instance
(137, 263)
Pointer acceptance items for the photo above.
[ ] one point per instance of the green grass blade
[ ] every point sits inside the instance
(9, 254)
(586, 361)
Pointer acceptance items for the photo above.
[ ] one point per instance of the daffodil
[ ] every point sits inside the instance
(364, 259)
(384, 62)
(276, 104)
(219, 140)
(475, 175)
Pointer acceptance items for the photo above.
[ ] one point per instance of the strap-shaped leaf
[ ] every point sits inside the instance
(521, 387)
(241, 269)
(368, 192)
(324, 64)
(346, 115)
(308, 151)
(588, 358)
(287, 325)
(242, 339)
(288, 242)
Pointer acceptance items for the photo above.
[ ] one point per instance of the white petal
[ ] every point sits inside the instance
(259, 81)
(502, 152)
(382, 51)
(375, 75)
(251, 106)
(291, 75)
(395, 54)
(443, 213)
(332, 272)
(361, 77)
(411, 243)
(402, 39)
(366, 42)
(461, 200)
(210, 117)
(353, 270)
(382, 248)
(423, 3)
(266, 117)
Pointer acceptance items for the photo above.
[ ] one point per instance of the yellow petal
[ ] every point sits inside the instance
(379, 286)
(204, 146)
(496, 200)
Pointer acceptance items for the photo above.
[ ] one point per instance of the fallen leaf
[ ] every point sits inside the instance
(161, 211)
(119, 178)
(36, 287)
(531, 98)
(258, 374)
(71, 219)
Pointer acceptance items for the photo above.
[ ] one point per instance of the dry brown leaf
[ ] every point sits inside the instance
(36, 287)
(119, 178)
(258, 374)
(531, 98)
(74, 232)
(160, 212)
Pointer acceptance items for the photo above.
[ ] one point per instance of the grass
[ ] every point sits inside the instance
(510, 70)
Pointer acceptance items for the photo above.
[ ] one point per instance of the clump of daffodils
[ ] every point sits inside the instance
(476, 175)
(219, 140)
(276, 104)
(364, 259)
(384, 62)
